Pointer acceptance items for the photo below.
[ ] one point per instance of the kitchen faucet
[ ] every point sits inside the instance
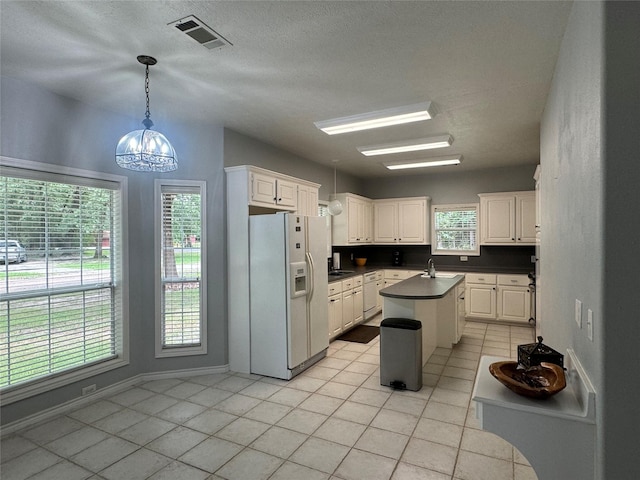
(431, 268)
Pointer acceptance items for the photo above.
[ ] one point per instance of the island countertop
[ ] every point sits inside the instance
(422, 288)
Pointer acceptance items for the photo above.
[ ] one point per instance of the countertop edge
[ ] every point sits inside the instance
(373, 268)
(440, 289)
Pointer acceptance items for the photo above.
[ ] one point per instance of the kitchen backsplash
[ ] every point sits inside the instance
(508, 259)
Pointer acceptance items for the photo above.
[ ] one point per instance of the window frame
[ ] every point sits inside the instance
(434, 232)
(177, 351)
(61, 174)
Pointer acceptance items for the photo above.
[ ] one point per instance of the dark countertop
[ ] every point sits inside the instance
(443, 268)
(420, 288)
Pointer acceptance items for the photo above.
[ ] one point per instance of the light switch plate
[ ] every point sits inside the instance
(579, 313)
(590, 324)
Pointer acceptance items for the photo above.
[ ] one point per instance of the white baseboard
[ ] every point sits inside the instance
(63, 408)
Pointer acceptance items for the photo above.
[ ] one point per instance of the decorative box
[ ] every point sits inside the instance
(532, 354)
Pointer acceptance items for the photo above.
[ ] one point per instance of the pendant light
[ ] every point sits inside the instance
(335, 207)
(146, 150)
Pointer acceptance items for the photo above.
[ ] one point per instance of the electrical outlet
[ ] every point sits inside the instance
(590, 324)
(88, 389)
(579, 313)
(464, 258)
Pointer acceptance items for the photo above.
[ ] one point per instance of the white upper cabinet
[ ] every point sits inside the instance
(400, 221)
(526, 217)
(385, 220)
(271, 190)
(307, 200)
(274, 191)
(508, 218)
(353, 225)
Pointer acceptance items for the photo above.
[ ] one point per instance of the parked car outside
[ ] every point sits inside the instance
(12, 251)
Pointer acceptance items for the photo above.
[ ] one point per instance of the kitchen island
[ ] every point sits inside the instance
(432, 301)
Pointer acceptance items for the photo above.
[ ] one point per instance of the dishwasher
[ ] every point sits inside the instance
(370, 292)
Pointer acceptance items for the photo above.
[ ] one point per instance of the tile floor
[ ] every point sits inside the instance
(334, 421)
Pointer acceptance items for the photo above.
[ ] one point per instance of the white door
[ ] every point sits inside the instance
(411, 221)
(347, 309)
(385, 219)
(263, 189)
(317, 298)
(526, 218)
(287, 193)
(497, 218)
(335, 315)
(480, 301)
(514, 304)
(358, 305)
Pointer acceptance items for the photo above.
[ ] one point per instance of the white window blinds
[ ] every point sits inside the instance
(455, 229)
(60, 302)
(182, 264)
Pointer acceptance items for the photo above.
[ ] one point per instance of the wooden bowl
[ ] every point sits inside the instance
(541, 381)
(360, 261)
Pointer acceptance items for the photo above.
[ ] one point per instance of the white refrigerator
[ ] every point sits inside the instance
(288, 293)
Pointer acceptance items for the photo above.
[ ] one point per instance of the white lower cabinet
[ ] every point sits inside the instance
(379, 286)
(335, 315)
(498, 297)
(358, 305)
(514, 298)
(480, 296)
(346, 305)
(347, 309)
(335, 309)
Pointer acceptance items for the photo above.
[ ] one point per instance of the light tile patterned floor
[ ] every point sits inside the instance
(334, 421)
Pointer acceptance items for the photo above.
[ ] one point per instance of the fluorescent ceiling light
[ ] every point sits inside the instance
(433, 162)
(408, 146)
(377, 119)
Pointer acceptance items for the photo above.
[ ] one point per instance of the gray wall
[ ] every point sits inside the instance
(456, 187)
(621, 336)
(240, 149)
(590, 174)
(40, 126)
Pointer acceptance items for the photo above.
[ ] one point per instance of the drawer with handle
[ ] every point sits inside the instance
(483, 278)
(514, 280)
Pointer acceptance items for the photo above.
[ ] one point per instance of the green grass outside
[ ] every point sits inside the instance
(34, 354)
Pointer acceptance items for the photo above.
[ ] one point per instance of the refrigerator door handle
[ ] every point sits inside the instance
(310, 273)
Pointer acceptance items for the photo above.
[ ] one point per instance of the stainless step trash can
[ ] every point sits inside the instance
(401, 353)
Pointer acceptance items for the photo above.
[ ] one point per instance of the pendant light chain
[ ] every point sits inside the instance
(146, 91)
(146, 150)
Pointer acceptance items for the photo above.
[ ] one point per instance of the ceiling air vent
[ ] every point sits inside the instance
(200, 32)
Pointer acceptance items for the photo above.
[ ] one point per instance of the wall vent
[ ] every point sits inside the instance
(203, 34)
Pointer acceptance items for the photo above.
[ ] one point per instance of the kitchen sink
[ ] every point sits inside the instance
(337, 273)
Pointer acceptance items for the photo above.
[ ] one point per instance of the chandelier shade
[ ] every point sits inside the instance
(146, 150)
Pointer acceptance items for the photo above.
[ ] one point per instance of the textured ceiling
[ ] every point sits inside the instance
(487, 66)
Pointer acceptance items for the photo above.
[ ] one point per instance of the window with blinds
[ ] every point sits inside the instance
(181, 329)
(60, 303)
(455, 230)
